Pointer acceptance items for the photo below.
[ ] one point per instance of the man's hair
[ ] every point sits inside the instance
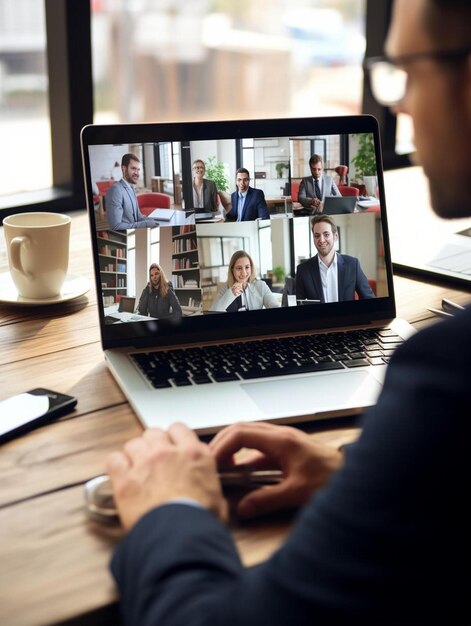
(234, 258)
(163, 286)
(324, 218)
(243, 170)
(129, 156)
(315, 158)
(448, 23)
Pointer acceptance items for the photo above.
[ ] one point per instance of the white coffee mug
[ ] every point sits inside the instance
(38, 252)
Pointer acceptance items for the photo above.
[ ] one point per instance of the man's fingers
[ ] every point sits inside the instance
(117, 464)
(156, 435)
(255, 461)
(181, 434)
(136, 449)
(264, 437)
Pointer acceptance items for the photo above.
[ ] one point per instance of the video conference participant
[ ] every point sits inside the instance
(313, 189)
(329, 276)
(248, 203)
(204, 190)
(122, 208)
(158, 298)
(243, 292)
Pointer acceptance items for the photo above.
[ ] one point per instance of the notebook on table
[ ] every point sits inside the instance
(164, 215)
(208, 366)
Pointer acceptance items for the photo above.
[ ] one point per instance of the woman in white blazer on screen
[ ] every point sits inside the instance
(242, 291)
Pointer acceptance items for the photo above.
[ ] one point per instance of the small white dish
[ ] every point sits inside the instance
(73, 287)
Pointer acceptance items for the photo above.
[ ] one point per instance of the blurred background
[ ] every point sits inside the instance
(161, 60)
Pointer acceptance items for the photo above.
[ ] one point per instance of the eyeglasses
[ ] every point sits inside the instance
(388, 79)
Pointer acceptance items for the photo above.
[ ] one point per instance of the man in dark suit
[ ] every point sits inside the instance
(329, 276)
(248, 203)
(122, 208)
(313, 189)
(386, 538)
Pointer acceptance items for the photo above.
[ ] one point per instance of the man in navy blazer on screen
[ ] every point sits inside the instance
(248, 203)
(122, 208)
(329, 276)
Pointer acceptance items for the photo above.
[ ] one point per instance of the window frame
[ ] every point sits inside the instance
(70, 93)
(378, 18)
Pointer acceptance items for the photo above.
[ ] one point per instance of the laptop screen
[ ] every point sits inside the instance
(265, 259)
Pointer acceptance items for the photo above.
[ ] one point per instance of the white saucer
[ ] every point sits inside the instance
(73, 287)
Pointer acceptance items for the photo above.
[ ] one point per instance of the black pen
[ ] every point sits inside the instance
(100, 503)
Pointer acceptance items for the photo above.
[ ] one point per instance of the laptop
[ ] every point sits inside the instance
(336, 205)
(197, 361)
(126, 304)
(203, 216)
(442, 251)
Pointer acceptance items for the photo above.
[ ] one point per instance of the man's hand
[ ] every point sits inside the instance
(160, 466)
(306, 464)
(317, 205)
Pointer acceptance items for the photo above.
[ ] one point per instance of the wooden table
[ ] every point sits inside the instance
(53, 559)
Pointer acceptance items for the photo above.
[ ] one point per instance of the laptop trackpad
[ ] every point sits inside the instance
(313, 394)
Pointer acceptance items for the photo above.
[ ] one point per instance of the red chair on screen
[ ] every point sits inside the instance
(342, 171)
(347, 190)
(372, 284)
(294, 190)
(148, 202)
(104, 185)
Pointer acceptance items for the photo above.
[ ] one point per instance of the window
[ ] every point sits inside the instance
(131, 256)
(396, 132)
(177, 60)
(24, 107)
(154, 245)
(61, 97)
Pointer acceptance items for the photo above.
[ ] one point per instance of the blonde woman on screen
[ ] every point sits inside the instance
(242, 291)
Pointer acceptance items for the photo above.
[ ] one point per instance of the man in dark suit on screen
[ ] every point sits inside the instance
(248, 203)
(329, 276)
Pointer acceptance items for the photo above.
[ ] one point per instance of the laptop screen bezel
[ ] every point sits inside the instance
(266, 322)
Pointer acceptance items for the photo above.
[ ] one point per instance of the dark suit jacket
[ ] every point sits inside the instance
(254, 206)
(306, 189)
(151, 303)
(209, 195)
(385, 542)
(351, 279)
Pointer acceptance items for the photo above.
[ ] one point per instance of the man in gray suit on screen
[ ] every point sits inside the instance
(121, 203)
(313, 189)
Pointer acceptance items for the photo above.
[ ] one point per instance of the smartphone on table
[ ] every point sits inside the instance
(25, 411)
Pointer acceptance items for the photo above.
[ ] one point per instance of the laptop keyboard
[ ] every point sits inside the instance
(269, 357)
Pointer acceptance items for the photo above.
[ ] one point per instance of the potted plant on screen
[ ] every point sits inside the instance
(280, 167)
(365, 163)
(216, 172)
